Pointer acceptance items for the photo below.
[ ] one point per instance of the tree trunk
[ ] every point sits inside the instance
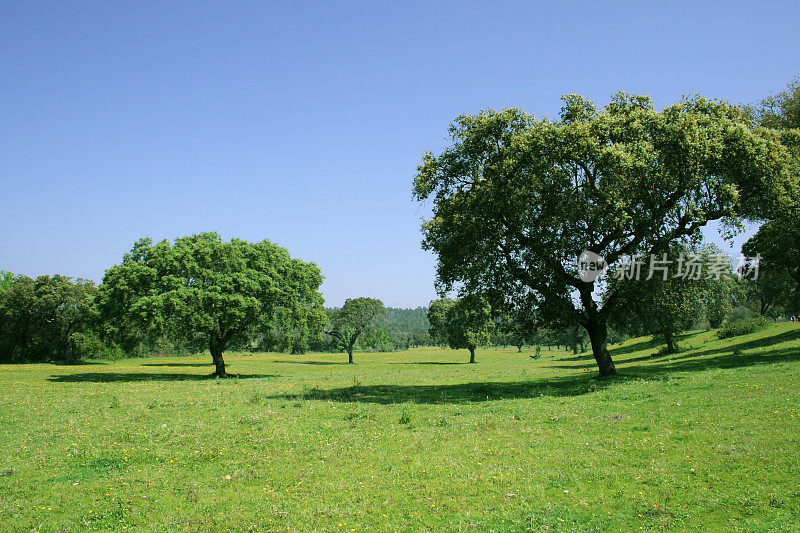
(597, 328)
(471, 354)
(350, 355)
(670, 338)
(598, 335)
(219, 363)
(519, 349)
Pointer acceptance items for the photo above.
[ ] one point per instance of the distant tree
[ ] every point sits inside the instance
(666, 307)
(419, 338)
(208, 292)
(777, 242)
(516, 199)
(46, 319)
(518, 328)
(349, 322)
(720, 296)
(406, 327)
(771, 290)
(463, 323)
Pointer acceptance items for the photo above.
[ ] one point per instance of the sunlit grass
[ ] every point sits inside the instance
(703, 439)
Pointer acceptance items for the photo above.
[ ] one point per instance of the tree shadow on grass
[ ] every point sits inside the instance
(666, 356)
(179, 364)
(132, 377)
(690, 363)
(280, 361)
(741, 346)
(765, 342)
(647, 344)
(455, 393)
(430, 363)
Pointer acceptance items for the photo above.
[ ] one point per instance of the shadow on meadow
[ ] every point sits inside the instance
(430, 363)
(646, 344)
(131, 377)
(282, 361)
(700, 356)
(455, 393)
(177, 364)
(690, 363)
(697, 357)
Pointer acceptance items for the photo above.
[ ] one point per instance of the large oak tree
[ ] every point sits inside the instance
(209, 293)
(517, 199)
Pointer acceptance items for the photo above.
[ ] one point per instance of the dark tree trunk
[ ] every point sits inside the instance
(219, 363)
(519, 349)
(670, 338)
(471, 354)
(598, 335)
(350, 355)
(595, 323)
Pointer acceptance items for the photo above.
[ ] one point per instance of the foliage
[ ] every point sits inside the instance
(781, 111)
(354, 318)
(6, 279)
(517, 328)
(517, 199)
(397, 329)
(209, 293)
(777, 242)
(744, 327)
(438, 320)
(463, 323)
(771, 291)
(47, 319)
(673, 299)
(407, 327)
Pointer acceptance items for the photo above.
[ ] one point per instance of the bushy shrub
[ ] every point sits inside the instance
(743, 327)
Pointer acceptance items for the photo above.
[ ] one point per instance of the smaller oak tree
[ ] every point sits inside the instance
(463, 323)
(349, 322)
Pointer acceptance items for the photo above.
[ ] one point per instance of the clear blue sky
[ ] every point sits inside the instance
(303, 122)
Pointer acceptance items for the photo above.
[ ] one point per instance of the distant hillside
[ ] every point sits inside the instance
(407, 320)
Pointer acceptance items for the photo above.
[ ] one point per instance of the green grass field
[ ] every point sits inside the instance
(707, 439)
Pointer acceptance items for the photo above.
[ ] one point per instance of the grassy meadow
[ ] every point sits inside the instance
(707, 439)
